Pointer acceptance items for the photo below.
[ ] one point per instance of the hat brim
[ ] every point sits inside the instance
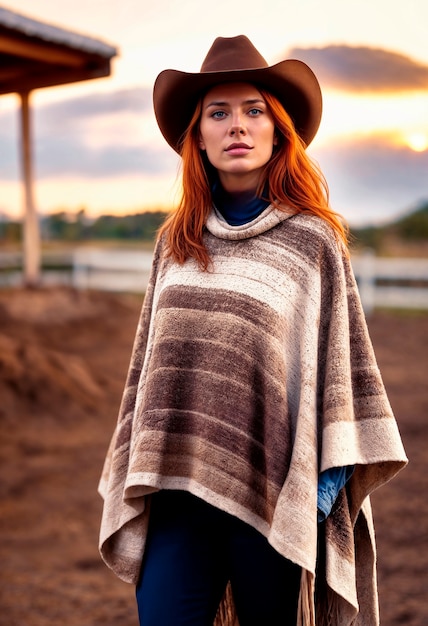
(176, 94)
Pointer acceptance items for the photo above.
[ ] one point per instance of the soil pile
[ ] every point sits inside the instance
(63, 361)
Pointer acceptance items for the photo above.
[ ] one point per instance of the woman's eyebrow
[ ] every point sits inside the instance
(220, 103)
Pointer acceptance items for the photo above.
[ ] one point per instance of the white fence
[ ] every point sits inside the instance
(391, 282)
(383, 282)
(111, 270)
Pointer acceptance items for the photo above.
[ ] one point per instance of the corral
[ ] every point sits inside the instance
(63, 360)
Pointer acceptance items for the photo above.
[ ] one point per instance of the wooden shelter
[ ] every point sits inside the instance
(34, 55)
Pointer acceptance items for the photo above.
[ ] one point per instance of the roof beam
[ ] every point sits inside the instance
(37, 51)
(11, 73)
(38, 79)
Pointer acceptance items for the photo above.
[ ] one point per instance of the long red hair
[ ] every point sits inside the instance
(291, 178)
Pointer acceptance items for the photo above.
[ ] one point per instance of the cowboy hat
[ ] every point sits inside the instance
(235, 59)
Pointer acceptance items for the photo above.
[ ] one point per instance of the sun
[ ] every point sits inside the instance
(417, 141)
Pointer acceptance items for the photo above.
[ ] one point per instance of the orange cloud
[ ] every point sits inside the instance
(362, 68)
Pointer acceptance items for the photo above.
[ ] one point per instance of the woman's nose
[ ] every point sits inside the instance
(237, 129)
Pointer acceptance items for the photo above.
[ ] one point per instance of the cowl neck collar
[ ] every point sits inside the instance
(270, 217)
(238, 208)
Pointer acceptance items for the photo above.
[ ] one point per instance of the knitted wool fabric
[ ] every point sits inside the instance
(245, 382)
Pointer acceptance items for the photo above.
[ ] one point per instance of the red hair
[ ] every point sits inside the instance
(291, 178)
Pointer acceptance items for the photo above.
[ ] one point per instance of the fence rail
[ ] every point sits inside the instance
(383, 282)
(391, 282)
(111, 270)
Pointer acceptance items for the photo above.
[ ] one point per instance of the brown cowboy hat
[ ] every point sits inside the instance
(235, 59)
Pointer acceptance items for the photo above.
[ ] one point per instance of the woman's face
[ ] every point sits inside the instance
(238, 134)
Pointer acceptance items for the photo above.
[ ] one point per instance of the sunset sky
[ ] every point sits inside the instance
(96, 144)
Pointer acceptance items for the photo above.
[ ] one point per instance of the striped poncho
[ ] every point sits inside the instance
(245, 382)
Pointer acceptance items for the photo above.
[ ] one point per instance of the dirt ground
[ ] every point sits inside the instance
(63, 362)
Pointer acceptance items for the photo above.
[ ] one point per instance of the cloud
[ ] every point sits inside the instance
(133, 100)
(372, 179)
(69, 157)
(65, 134)
(364, 69)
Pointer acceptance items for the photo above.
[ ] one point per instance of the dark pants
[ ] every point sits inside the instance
(192, 550)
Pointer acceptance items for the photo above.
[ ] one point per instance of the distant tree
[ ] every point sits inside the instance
(10, 231)
(57, 226)
(150, 222)
(135, 226)
(413, 226)
(369, 237)
(65, 226)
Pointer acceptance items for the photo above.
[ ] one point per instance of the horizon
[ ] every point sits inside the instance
(91, 218)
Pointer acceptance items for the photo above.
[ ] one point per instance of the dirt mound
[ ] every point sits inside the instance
(63, 361)
(56, 305)
(47, 348)
(32, 375)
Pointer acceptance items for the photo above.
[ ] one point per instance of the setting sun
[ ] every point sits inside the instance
(417, 141)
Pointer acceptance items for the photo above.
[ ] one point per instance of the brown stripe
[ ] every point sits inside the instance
(187, 457)
(269, 454)
(221, 301)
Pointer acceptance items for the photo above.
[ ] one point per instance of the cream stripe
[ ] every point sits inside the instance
(351, 443)
(146, 483)
(341, 571)
(255, 280)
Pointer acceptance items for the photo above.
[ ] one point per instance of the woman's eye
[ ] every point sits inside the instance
(218, 115)
(255, 111)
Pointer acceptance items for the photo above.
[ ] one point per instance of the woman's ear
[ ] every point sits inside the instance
(275, 139)
(201, 143)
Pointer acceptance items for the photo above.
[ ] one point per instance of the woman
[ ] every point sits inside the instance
(254, 423)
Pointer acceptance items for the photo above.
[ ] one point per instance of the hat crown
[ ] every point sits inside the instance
(232, 53)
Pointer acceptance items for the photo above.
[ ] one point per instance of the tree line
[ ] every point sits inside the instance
(411, 228)
(65, 226)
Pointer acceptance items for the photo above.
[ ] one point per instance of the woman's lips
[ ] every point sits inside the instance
(237, 149)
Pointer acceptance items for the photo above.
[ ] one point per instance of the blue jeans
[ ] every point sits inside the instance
(192, 550)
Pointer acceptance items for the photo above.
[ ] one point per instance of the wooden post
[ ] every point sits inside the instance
(31, 231)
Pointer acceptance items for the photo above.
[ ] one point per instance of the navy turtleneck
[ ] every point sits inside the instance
(238, 208)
